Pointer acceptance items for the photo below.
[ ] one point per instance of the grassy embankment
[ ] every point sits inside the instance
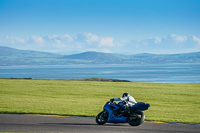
(170, 102)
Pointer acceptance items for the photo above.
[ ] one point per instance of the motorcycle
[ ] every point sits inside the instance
(118, 113)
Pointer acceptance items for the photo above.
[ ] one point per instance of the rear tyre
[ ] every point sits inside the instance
(102, 117)
(136, 119)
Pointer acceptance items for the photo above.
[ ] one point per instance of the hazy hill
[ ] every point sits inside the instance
(6, 51)
(98, 57)
(144, 58)
(10, 56)
(167, 58)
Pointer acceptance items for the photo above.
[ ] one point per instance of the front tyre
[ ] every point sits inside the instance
(136, 119)
(102, 117)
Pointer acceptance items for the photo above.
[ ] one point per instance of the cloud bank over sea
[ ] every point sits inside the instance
(82, 42)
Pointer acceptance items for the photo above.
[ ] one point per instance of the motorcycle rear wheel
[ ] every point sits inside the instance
(137, 119)
(102, 117)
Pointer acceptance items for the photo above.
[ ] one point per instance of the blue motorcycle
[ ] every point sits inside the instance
(118, 113)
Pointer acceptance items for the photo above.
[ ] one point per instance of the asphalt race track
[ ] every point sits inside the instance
(41, 123)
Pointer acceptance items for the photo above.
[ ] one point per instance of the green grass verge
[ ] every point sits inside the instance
(170, 102)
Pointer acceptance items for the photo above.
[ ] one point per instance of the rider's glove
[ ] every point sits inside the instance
(111, 100)
(123, 102)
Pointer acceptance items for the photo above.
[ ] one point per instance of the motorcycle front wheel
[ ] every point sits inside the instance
(136, 119)
(102, 117)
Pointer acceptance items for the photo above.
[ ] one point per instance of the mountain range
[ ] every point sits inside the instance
(11, 56)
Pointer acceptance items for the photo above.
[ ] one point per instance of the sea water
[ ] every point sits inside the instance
(161, 73)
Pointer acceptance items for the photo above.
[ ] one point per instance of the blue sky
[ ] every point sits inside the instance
(114, 26)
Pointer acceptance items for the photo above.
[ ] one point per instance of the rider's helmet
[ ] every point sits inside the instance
(125, 95)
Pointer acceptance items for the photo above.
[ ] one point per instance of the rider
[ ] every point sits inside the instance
(127, 99)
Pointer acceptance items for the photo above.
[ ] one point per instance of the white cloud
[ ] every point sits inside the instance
(106, 41)
(172, 43)
(37, 39)
(52, 36)
(178, 38)
(95, 42)
(90, 38)
(98, 41)
(157, 40)
(15, 40)
(196, 39)
(68, 37)
(59, 38)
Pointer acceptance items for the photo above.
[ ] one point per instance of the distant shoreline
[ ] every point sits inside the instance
(90, 79)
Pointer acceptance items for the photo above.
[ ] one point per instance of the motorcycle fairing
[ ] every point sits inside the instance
(140, 106)
(112, 118)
